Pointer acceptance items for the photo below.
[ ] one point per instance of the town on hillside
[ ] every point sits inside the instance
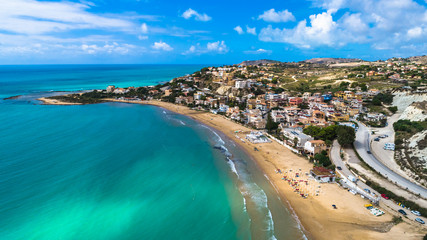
(302, 104)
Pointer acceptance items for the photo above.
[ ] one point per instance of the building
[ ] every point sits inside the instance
(168, 92)
(110, 89)
(323, 175)
(306, 95)
(241, 84)
(338, 117)
(295, 101)
(314, 147)
(295, 138)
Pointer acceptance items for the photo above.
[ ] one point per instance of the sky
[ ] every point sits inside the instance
(208, 32)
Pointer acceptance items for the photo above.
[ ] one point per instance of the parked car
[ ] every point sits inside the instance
(402, 212)
(385, 197)
(339, 168)
(376, 139)
(416, 213)
(419, 220)
(367, 190)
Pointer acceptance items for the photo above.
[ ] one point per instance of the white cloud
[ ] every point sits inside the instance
(384, 24)
(113, 48)
(34, 17)
(218, 47)
(251, 30)
(319, 32)
(280, 16)
(162, 46)
(144, 28)
(239, 30)
(415, 32)
(189, 13)
(142, 37)
(259, 51)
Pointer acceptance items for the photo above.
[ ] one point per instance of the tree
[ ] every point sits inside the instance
(327, 133)
(345, 135)
(312, 130)
(393, 109)
(296, 142)
(323, 159)
(303, 105)
(271, 125)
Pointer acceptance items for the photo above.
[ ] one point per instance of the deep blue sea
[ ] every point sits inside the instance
(122, 171)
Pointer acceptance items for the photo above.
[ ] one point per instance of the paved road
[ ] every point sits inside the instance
(362, 147)
(337, 160)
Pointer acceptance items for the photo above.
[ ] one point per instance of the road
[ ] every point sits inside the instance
(362, 147)
(345, 172)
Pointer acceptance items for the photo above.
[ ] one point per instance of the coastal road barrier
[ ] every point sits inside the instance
(282, 143)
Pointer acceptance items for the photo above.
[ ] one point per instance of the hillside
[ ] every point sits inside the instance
(332, 60)
(257, 62)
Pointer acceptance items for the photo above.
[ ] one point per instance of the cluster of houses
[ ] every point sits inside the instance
(235, 98)
(247, 94)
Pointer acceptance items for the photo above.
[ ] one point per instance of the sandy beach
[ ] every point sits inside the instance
(50, 101)
(350, 220)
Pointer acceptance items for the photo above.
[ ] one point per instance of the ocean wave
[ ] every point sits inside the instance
(233, 167)
(259, 198)
(292, 211)
(219, 140)
(182, 122)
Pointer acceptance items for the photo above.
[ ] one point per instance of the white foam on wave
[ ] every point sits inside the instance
(182, 122)
(164, 112)
(220, 141)
(294, 215)
(258, 196)
(232, 166)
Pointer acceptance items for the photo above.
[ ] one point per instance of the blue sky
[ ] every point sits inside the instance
(217, 32)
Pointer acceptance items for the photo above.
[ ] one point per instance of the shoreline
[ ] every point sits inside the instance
(321, 226)
(50, 101)
(315, 215)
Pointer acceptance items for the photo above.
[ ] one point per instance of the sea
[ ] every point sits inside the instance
(123, 171)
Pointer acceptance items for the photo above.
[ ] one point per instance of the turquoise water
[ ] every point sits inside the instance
(123, 171)
(15, 80)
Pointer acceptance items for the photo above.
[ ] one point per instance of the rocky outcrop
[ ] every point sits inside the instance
(403, 100)
(417, 111)
(224, 90)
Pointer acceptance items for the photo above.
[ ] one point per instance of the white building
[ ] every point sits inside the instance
(110, 89)
(241, 84)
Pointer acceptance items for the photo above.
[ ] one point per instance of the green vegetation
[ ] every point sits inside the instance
(408, 126)
(326, 133)
(271, 125)
(392, 109)
(323, 160)
(386, 98)
(344, 134)
(405, 129)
